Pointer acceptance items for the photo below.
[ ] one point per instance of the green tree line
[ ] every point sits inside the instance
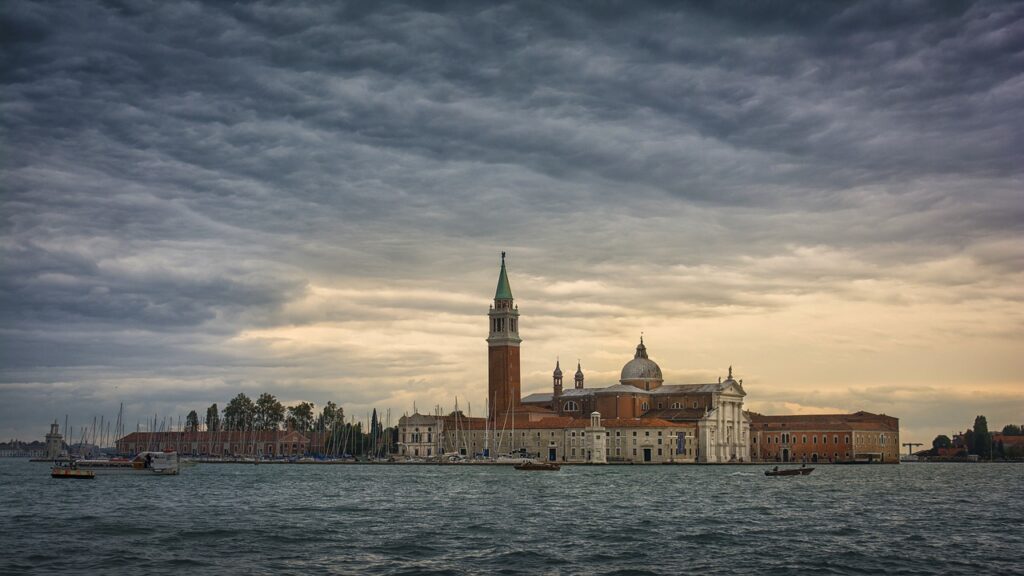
(266, 413)
(979, 441)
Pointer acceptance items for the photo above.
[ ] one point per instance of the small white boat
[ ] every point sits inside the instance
(160, 463)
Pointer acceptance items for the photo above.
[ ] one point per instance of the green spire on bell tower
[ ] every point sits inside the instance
(504, 291)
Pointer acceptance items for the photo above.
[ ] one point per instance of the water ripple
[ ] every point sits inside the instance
(219, 519)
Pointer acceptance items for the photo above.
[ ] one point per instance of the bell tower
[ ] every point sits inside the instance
(503, 352)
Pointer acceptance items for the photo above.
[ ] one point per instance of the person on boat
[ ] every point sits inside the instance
(776, 469)
(149, 461)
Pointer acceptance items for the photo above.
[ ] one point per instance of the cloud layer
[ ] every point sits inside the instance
(309, 199)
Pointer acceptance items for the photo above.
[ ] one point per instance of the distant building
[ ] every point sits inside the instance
(554, 438)
(265, 444)
(861, 436)
(20, 449)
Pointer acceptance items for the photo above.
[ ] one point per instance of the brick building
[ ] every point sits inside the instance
(861, 436)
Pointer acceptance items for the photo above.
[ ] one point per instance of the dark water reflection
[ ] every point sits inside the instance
(215, 519)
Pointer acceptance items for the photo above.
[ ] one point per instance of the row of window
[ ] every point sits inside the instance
(784, 438)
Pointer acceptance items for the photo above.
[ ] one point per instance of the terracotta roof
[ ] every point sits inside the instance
(222, 436)
(856, 421)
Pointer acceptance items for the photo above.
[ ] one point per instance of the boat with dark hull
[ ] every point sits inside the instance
(148, 463)
(538, 466)
(788, 471)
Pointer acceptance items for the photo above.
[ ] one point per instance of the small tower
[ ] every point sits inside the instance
(597, 441)
(54, 442)
(557, 383)
(503, 351)
(579, 376)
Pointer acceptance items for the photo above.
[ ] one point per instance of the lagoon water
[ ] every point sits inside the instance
(275, 519)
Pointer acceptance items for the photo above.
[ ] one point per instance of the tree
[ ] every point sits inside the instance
(300, 416)
(269, 412)
(1012, 430)
(192, 421)
(330, 417)
(212, 418)
(238, 414)
(982, 439)
(941, 441)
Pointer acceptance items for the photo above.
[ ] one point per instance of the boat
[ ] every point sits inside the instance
(71, 472)
(537, 466)
(159, 463)
(788, 471)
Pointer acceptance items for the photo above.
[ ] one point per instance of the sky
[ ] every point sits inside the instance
(311, 199)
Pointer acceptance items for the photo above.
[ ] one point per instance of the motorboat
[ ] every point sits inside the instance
(159, 463)
(802, 471)
(537, 466)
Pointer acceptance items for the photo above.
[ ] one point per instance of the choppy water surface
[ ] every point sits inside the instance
(907, 519)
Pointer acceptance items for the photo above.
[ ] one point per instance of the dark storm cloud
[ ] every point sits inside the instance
(176, 169)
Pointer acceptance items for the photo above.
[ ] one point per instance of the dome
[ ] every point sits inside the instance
(641, 367)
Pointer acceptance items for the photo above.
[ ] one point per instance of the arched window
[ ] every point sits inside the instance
(644, 406)
(570, 406)
(675, 406)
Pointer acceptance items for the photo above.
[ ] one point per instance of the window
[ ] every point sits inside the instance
(675, 405)
(847, 441)
(634, 432)
(573, 451)
(617, 433)
(647, 432)
(659, 451)
(805, 438)
(570, 406)
(835, 439)
(659, 432)
(618, 451)
(814, 439)
(694, 405)
(644, 406)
